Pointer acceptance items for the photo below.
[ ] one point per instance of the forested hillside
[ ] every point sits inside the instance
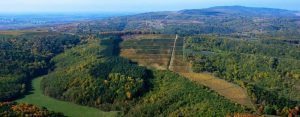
(269, 69)
(173, 95)
(93, 75)
(27, 56)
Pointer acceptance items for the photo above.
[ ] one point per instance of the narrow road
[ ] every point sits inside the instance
(172, 54)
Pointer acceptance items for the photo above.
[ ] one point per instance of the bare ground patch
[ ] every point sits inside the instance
(224, 88)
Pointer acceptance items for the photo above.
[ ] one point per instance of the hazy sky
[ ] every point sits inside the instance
(7, 6)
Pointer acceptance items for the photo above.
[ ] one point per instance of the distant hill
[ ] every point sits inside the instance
(219, 11)
(220, 20)
(240, 10)
(158, 20)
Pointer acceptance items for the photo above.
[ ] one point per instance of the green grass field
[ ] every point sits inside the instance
(69, 109)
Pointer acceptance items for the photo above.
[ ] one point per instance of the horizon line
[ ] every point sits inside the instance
(129, 12)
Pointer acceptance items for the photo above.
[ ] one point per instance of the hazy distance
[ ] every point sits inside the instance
(133, 6)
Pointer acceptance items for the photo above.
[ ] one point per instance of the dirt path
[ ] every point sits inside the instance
(173, 54)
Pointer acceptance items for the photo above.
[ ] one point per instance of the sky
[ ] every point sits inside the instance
(137, 6)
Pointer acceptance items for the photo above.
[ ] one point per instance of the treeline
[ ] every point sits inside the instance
(268, 69)
(121, 33)
(27, 56)
(12, 109)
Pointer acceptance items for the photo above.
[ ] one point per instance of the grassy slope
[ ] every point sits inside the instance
(229, 90)
(69, 109)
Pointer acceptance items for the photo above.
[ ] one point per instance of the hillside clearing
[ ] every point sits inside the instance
(229, 90)
(177, 64)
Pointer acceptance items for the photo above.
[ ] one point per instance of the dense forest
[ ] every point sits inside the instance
(95, 77)
(10, 109)
(27, 56)
(269, 69)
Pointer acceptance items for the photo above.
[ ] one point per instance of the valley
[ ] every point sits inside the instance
(218, 61)
(67, 108)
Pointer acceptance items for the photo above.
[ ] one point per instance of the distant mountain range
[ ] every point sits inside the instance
(226, 10)
(240, 10)
(220, 20)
